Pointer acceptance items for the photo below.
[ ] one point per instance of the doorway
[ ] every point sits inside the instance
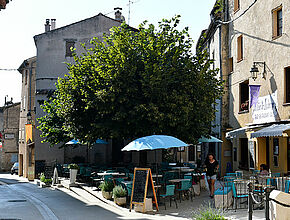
(20, 169)
(268, 152)
(288, 153)
(143, 158)
(244, 162)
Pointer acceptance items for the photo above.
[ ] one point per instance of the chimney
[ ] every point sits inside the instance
(118, 14)
(53, 23)
(47, 25)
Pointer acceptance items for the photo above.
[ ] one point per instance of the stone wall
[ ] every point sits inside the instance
(9, 151)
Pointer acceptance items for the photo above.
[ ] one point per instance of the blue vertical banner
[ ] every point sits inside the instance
(254, 94)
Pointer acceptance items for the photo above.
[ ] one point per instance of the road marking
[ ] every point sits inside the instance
(46, 212)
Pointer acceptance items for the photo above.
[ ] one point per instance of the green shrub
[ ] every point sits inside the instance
(119, 192)
(73, 166)
(208, 213)
(107, 186)
(47, 181)
(42, 177)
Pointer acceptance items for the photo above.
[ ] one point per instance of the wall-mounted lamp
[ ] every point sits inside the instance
(254, 70)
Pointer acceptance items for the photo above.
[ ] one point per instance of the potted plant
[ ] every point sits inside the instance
(119, 194)
(107, 188)
(45, 180)
(73, 170)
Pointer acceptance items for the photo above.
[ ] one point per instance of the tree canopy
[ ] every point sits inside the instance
(134, 83)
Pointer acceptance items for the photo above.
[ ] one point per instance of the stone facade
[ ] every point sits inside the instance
(53, 52)
(253, 38)
(27, 114)
(215, 40)
(9, 150)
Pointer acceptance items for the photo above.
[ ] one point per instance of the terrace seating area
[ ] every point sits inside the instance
(234, 190)
(170, 180)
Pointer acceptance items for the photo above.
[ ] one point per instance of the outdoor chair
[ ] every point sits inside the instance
(166, 177)
(287, 186)
(129, 188)
(169, 194)
(237, 196)
(231, 174)
(189, 177)
(276, 174)
(118, 181)
(185, 189)
(108, 177)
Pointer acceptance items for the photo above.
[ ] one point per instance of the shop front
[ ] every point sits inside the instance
(273, 147)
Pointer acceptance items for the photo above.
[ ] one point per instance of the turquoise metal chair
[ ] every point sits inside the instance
(185, 188)
(170, 193)
(287, 186)
(118, 181)
(129, 188)
(237, 196)
(108, 177)
(231, 174)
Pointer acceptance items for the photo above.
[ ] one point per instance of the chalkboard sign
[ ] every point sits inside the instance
(142, 177)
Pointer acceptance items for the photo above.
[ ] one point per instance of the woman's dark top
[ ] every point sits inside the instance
(211, 168)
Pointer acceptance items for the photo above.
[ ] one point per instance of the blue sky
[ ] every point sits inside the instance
(22, 19)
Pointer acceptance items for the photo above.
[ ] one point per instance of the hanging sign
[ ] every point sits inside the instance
(265, 109)
(28, 132)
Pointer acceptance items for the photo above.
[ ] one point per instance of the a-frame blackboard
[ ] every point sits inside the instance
(142, 183)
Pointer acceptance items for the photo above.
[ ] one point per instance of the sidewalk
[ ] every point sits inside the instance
(185, 209)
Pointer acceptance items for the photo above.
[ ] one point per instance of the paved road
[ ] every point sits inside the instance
(23, 200)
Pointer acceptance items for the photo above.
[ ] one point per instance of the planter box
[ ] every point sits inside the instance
(72, 175)
(120, 201)
(107, 195)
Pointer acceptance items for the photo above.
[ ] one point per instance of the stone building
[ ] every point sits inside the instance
(215, 40)
(259, 83)
(53, 51)
(9, 149)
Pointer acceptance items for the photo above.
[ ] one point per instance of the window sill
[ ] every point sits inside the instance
(235, 11)
(286, 104)
(240, 60)
(243, 112)
(276, 37)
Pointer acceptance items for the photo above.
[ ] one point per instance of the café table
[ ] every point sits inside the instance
(157, 176)
(113, 174)
(176, 168)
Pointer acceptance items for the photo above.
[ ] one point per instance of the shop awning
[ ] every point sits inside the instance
(235, 133)
(271, 131)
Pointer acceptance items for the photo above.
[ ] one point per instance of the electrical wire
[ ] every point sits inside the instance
(8, 69)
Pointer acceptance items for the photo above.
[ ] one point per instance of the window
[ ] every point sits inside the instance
(287, 84)
(236, 5)
(244, 96)
(24, 103)
(240, 46)
(231, 65)
(277, 22)
(25, 77)
(68, 48)
(191, 153)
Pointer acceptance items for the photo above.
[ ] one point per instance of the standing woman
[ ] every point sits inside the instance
(212, 167)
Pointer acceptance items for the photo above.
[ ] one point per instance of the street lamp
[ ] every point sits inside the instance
(254, 70)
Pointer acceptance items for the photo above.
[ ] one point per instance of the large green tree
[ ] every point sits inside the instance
(134, 83)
